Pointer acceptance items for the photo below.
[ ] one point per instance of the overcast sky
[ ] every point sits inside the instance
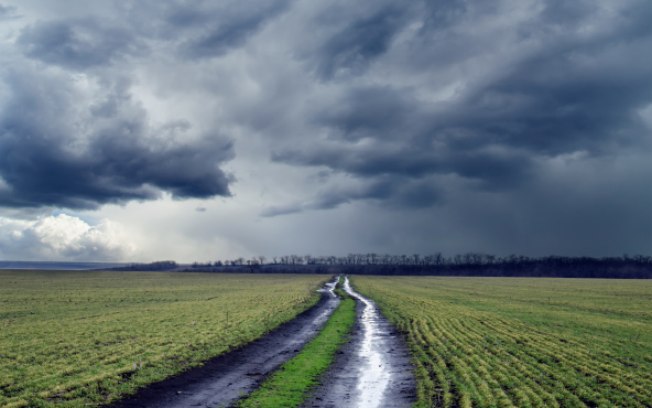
(145, 130)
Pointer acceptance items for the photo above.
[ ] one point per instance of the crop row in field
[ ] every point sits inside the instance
(85, 338)
(523, 342)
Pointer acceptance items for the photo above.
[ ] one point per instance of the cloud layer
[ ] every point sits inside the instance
(487, 95)
(64, 146)
(443, 116)
(73, 135)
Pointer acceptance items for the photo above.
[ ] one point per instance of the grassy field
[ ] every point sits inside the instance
(83, 338)
(506, 342)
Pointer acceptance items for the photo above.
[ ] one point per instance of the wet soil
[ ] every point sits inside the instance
(372, 369)
(223, 380)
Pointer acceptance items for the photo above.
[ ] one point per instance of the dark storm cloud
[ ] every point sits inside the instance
(565, 90)
(230, 27)
(58, 149)
(365, 161)
(374, 111)
(447, 115)
(352, 48)
(203, 29)
(62, 147)
(389, 192)
(570, 99)
(76, 43)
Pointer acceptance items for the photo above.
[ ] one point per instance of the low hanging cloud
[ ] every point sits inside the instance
(63, 237)
(390, 192)
(65, 143)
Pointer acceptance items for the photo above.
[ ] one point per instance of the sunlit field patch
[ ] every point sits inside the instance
(523, 342)
(85, 338)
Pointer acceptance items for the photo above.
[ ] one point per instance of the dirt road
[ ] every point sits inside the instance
(225, 379)
(372, 370)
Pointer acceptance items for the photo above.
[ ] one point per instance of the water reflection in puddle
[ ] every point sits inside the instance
(373, 377)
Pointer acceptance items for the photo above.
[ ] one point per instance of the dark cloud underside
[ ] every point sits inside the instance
(563, 90)
(58, 150)
(235, 23)
(76, 44)
(351, 49)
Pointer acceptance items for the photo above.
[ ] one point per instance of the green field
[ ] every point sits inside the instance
(84, 338)
(506, 342)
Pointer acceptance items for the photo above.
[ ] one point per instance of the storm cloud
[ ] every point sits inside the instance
(553, 82)
(477, 122)
(60, 146)
(77, 44)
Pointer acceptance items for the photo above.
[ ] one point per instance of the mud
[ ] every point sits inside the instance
(372, 370)
(225, 379)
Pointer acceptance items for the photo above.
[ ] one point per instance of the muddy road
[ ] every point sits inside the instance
(225, 379)
(372, 370)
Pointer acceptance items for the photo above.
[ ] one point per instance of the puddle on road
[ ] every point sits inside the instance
(373, 377)
(329, 288)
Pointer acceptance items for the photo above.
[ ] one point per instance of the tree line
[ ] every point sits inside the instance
(469, 264)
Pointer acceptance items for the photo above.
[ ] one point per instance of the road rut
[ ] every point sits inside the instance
(372, 370)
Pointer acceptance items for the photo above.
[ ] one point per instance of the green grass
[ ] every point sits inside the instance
(290, 385)
(505, 342)
(86, 338)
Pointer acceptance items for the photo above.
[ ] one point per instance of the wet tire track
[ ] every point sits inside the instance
(372, 370)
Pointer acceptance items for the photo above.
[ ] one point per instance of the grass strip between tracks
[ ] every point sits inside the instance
(290, 385)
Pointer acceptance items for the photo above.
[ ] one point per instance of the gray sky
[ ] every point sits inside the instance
(144, 130)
